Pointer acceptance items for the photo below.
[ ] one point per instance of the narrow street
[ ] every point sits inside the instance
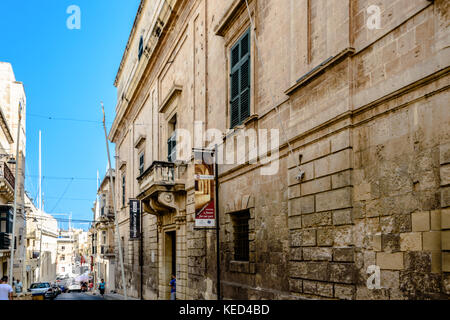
(193, 153)
(78, 296)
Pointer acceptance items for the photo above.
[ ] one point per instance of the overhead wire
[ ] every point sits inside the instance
(62, 195)
(46, 117)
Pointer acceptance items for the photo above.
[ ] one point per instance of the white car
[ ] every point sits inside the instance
(74, 286)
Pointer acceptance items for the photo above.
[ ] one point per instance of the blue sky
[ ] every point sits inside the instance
(66, 73)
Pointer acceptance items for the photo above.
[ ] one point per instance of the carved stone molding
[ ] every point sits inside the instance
(240, 203)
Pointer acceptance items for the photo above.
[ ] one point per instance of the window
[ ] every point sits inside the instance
(123, 190)
(141, 163)
(6, 220)
(63, 257)
(240, 81)
(141, 48)
(172, 142)
(241, 241)
(63, 248)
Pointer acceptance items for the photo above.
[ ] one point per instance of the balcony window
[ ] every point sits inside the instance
(6, 219)
(141, 163)
(172, 142)
(172, 148)
(123, 191)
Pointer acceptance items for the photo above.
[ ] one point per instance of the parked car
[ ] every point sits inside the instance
(42, 288)
(74, 286)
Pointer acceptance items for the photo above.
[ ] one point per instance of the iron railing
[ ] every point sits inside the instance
(7, 174)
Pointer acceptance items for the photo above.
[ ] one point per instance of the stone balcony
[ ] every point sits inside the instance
(160, 185)
(107, 251)
(7, 181)
(106, 218)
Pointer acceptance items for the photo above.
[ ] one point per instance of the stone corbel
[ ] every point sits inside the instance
(146, 207)
(167, 199)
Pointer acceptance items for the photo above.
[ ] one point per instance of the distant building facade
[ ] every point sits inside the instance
(42, 236)
(102, 235)
(66, 253)
(362, 164)
(12, 98)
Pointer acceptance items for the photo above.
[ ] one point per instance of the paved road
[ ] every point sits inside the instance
(77, 296)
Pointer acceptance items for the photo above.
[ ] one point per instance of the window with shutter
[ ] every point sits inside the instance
(141, 48)
(123, 190)
(141, 163)
(240, 81)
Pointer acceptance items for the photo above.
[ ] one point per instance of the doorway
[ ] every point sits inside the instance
(170, 258)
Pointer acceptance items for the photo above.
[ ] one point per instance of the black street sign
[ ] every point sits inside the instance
(135, 216)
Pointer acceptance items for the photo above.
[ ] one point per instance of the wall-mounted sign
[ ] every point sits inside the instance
(204, 189)
(135, 218)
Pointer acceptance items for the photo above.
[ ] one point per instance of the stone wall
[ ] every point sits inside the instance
(367, 123)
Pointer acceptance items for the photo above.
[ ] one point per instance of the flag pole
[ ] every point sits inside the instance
(114, 207)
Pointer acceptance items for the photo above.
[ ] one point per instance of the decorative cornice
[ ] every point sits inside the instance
(318, 70)
(139, 141)
(229, 16)
(130, 39)
(174, 91)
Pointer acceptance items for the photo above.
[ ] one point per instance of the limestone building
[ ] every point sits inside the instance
(66, 253)
(355, 92)
(42, 237)
(103, 235)
(12, 99)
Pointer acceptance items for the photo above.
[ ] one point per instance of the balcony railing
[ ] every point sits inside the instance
(7, 181)
(160, 173)
(107, 212)
(107, 251)
(7, 174)
(32, 254)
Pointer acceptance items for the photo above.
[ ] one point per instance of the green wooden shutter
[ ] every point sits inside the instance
(240, 81)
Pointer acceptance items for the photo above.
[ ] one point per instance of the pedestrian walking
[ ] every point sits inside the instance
(101, 287)
(173, 288)
(6, 291)
(18, 287)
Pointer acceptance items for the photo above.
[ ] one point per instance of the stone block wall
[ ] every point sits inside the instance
(322, 253)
